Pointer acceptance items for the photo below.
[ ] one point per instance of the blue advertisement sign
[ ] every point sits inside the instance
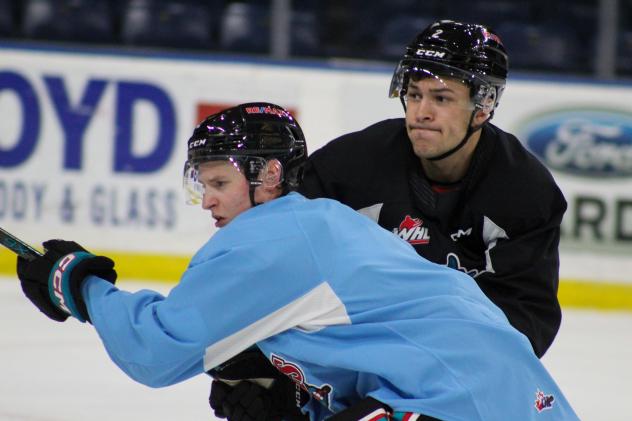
(583, 142)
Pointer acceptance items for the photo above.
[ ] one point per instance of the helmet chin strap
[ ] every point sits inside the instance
(251, 193)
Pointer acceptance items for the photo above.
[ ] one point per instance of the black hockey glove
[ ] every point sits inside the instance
(248, 388)
(247, 401)
(53, 281)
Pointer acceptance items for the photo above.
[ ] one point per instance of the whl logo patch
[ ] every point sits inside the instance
(543, 401)
(411, 230)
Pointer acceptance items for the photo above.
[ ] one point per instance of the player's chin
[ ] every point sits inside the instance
(424, 149)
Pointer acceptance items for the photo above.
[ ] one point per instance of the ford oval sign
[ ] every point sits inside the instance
(587, 142)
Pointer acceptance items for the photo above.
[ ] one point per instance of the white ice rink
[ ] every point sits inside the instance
(59, 371)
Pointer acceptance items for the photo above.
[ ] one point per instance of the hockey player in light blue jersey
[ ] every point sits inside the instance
(347, 310)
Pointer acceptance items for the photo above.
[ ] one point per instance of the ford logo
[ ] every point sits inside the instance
(588, 142)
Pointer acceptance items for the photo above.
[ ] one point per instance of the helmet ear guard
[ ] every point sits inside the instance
(485, 99)
(272, 174)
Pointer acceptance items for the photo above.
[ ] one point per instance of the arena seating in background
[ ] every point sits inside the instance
(397, 33)
(370, 32)
(187, 24)
(7, 18)
(305, 39)
(245, 28)
(543, 48)
(624, 52)
(89, 21)
(624, 39)
(490, 12)
(540, 35)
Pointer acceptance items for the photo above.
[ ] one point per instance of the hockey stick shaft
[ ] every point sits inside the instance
(18, 246)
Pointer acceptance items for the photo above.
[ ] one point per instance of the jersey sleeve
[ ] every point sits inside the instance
(531, 206)
(231, 296)
(525, 281)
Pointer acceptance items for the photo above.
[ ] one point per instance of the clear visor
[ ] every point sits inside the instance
(481, 93)
(249, 166)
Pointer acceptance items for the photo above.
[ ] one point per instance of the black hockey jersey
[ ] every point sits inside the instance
(501, 225)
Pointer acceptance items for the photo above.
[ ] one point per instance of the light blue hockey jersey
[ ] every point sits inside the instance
(342, 306)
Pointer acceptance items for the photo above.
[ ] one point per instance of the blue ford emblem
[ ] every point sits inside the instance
(587, 142)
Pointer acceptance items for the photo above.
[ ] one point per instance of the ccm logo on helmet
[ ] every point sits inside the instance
(196, 143)
(430, 53)
(57, 277)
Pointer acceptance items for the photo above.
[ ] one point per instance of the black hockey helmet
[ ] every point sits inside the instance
(471, 53)
(248, 135)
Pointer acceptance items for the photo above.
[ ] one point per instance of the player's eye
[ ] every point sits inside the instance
(443, 99)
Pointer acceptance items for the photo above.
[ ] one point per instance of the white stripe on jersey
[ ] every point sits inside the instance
(315, 310)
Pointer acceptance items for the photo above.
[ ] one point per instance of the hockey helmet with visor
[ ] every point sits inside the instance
(247, 136)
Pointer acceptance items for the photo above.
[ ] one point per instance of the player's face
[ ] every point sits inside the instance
(437, 115)
(226, 191)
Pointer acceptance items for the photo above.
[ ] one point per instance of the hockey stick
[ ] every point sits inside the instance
(18, 246)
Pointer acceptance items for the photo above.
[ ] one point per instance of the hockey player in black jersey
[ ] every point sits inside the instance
(463, 192)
